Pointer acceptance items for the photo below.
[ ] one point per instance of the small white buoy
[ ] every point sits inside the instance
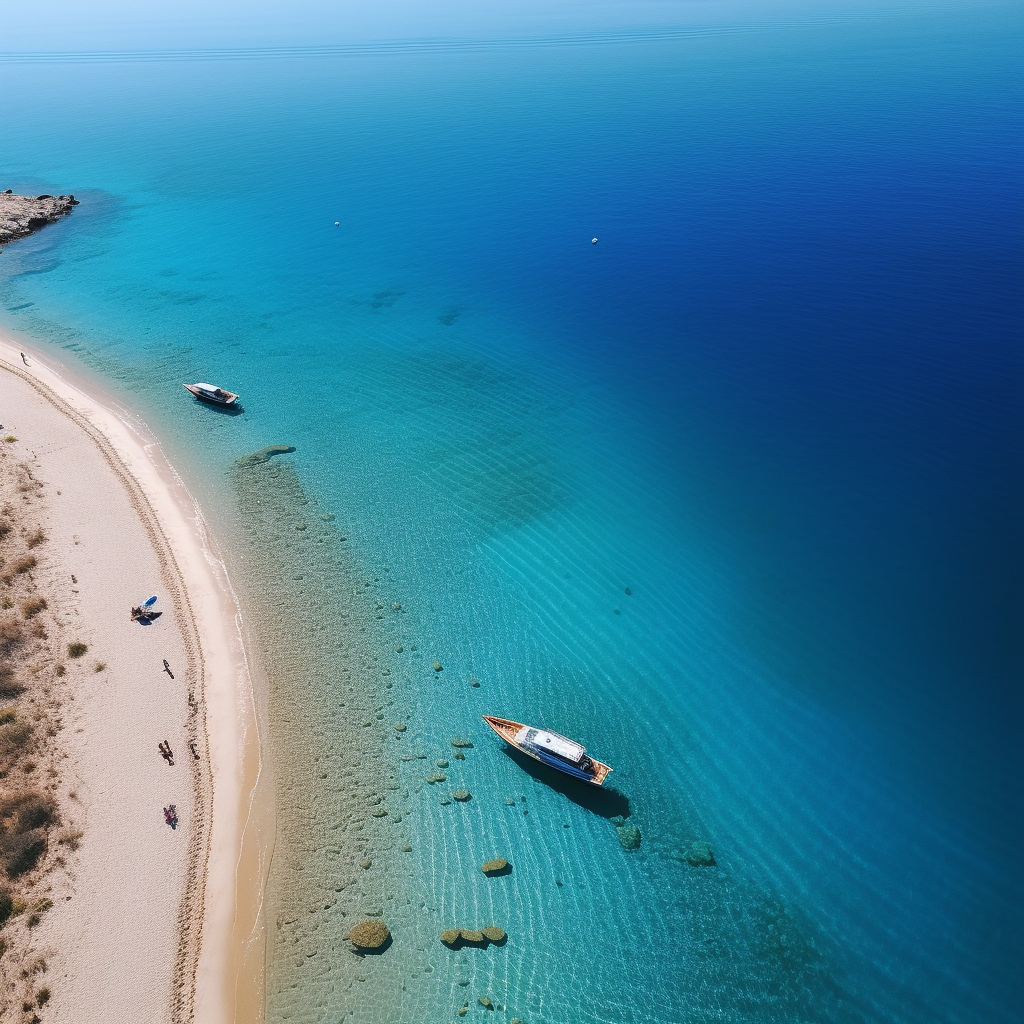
(337, 224)
(593, 241)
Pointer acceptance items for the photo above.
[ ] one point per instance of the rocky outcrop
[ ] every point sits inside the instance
(629, 837)
(498, 866)
(370, 936)
(699, 854)
(456, 938)
(21, 215)
(264, 455)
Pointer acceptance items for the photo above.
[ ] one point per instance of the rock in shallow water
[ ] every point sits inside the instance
(462, 795)
(369, 935)
(461, 742)
(699, 854)
(456, 938)
(498, 866)
(629, 836)
(264, 455)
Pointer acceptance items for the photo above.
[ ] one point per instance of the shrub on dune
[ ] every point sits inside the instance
(12, 632)
(19, 567)
(15, 738)
(24, 819)
(29, 810)
(33, 605)
(21, 853)
(9, 684)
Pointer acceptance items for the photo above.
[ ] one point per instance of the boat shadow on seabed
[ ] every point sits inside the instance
(601, 800)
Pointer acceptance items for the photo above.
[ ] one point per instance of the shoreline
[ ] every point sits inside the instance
(219, 967)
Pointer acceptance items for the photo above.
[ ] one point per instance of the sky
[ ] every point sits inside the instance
(125, 25)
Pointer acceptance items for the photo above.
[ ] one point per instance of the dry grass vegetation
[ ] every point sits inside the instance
(35, 837)
(33, 605)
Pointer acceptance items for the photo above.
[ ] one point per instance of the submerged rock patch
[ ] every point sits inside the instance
(629, 836)
(456, 938)
(369, 935)
(264, 455)
(699, 854)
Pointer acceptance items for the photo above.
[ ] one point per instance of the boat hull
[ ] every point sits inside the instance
(507, 730)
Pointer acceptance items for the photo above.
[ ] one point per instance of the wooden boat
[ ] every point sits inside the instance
(552, 749)
(211, 394)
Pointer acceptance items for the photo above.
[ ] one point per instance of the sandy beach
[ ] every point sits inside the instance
(141, 921)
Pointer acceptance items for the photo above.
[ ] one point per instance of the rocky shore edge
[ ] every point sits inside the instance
(21, 215)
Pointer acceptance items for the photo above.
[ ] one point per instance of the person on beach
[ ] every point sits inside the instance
(23, 359)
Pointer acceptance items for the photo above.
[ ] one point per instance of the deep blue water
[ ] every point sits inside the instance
(780, 401)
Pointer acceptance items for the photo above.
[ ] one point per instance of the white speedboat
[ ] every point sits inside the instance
(210, 393)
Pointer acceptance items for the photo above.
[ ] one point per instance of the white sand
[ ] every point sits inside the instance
(161, 925)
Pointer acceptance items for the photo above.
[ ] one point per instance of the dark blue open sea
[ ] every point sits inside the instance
(734, 496)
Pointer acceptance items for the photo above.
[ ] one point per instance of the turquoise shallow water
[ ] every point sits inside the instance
(779, 402)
